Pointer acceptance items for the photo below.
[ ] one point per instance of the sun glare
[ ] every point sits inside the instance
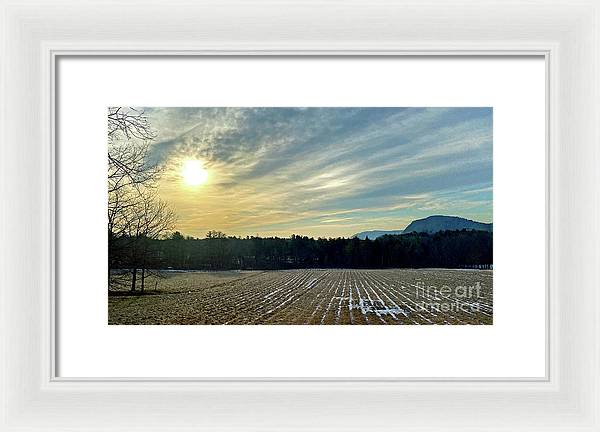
(194, 173)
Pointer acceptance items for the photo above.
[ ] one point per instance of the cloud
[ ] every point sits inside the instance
(278, 170)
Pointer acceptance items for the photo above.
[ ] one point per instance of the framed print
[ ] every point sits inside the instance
(215, 218)
(261, 204)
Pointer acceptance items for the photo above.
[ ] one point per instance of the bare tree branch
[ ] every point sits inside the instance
(135, 213)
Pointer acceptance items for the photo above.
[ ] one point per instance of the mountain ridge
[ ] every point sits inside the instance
(430, 224)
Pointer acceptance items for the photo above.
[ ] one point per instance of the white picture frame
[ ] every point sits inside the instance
(35, 34)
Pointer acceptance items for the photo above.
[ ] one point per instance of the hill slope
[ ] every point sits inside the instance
(431, 224)
(437, 223)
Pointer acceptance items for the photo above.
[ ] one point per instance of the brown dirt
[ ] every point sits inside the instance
(313, 296)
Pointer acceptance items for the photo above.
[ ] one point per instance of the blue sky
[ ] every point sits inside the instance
(323, 171)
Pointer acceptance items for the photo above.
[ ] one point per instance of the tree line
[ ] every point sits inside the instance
(448, 249)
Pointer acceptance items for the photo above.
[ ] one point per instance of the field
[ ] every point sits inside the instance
(310, 296)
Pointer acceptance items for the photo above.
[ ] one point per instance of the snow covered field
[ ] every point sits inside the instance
(312, 296)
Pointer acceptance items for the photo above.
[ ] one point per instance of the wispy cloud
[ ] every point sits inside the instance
(324, 171)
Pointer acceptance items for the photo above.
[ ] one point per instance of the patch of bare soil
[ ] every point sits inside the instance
(313, 296)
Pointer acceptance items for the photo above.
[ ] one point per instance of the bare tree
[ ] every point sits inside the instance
(128, 123)
(153, 219)
(135, 214)
(129, 140)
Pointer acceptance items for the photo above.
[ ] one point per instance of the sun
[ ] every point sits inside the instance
(194, 173)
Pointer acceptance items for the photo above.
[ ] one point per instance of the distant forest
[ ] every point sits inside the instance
(447, 249)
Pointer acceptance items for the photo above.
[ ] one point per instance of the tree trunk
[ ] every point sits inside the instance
(110, 253)
(143, 278)
(133, 278)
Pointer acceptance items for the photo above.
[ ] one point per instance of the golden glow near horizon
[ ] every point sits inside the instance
(194, 173)
(321, 172)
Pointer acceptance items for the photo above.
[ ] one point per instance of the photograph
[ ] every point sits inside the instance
(300, 215)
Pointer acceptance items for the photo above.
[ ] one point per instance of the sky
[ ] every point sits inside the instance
(323, 172)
